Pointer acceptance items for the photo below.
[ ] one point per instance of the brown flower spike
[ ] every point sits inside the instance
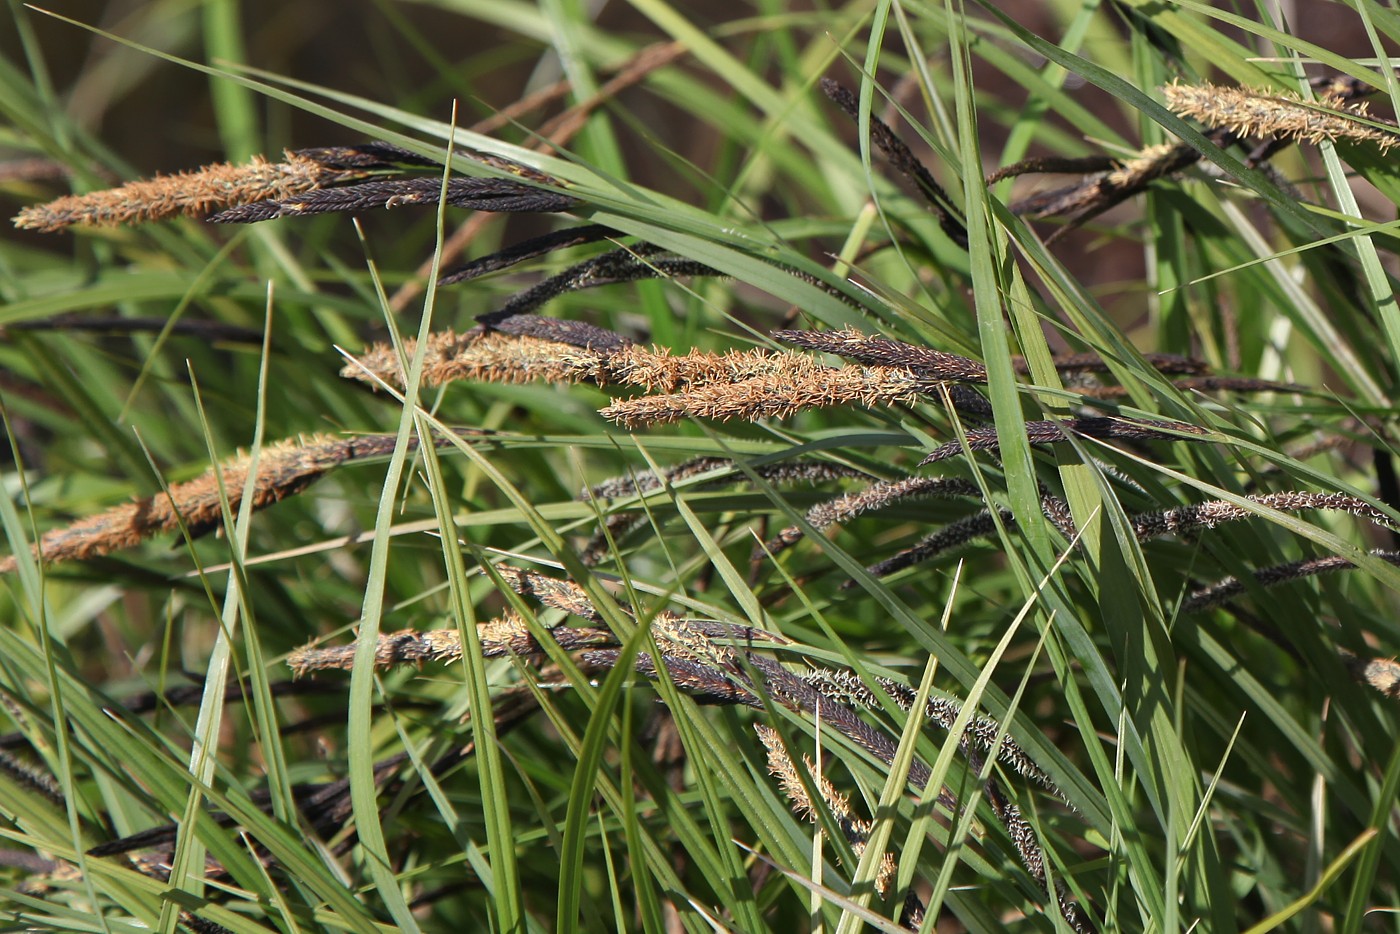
(742, 384)
(1261, 114)
(188, 194)
(283, 469)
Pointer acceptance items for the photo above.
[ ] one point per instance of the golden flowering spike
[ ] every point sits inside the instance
(187, 194)
(523, 348)
(1261, 114)
(779, 395)
(485, 356)
(856, 830)
(284, 469)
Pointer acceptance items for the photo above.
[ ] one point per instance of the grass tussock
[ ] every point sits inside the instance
(823, 385)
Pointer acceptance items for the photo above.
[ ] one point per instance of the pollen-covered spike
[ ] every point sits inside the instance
(1382, 674)
(777, 395)
(283, 469)
(560, 594)
(495, 357)
(1262, 114)
(190, 194)
(855, 830)
(476, 355)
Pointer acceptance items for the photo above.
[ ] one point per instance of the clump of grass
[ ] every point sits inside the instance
(1084, 465)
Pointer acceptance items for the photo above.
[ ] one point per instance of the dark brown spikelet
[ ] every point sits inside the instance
(954, 535)
(1229, 588)
(31, 170)
(284, 469)
(847, 687)
(985, 439)
(647, 481)
(1097, 193)
(527, 250)
(790, 690)
(210, 331)
(1055, 165)
(618, 524)
(1022, 837)
(644, 261)
(705, 683)
(876, 496)
(189, 194)
(561, 331)
(375, 155)
(873, 350)
(904, 160)
(32, 777)
(1171, 364)
(498, 195)
(1210, 514)
(1203, 384)
(628, 264)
